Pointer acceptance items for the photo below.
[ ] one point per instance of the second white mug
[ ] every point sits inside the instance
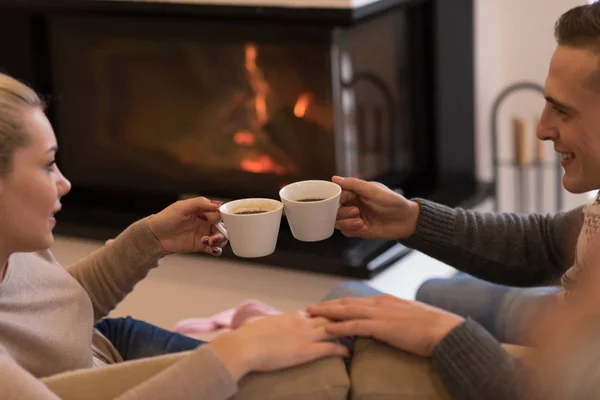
(311, 208)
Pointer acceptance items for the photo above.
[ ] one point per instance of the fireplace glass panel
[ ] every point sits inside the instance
(180, 108)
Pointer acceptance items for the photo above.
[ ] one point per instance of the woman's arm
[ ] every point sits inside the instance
(201, 374)
(210, 372)
(111, 272)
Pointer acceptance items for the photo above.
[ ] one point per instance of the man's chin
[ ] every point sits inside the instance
(577, 186)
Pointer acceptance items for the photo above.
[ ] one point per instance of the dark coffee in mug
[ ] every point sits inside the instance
(249, 212)
(310, 200)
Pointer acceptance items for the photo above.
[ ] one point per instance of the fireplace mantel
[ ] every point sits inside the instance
(342, 4)
(329, 12)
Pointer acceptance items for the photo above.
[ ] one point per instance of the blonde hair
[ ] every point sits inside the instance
(15, 99)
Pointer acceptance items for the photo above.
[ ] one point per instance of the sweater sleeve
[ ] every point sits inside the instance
(510, 249)
(473, 365)
(201, 375)
(111, 272)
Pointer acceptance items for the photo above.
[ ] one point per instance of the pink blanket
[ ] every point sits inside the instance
(207, 328)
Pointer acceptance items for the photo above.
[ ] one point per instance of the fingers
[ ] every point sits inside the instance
(321, 334)
(354, 185)
(349, 221)
(214, 244)
(212, 217)
(351, 227)
(346, 301)
(348, 213)
(341, 312)
(198, 205)
(361, 327)
(318, 322)
(213, 251)
(327, 349)
(348, 197)
(216, 240)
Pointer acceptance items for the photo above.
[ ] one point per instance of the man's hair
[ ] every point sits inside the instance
(580, 27)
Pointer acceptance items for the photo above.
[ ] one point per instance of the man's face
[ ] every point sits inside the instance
(571, 117)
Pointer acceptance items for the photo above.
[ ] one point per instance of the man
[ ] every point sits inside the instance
(507, 249)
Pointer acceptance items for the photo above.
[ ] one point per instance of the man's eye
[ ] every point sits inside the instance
(559, 110)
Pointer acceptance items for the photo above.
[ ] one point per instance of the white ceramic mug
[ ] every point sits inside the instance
(311, 208)
(251, 226)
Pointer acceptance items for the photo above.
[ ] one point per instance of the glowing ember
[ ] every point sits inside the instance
(302, 105)
(261, 165)
(244, 138)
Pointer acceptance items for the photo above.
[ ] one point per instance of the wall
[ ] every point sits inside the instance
(514, 42)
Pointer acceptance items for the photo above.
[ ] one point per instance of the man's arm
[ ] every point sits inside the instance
(511, 249)
(473, 365)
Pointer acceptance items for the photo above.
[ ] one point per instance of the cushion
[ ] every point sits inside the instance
(324, 379)
(376, 368)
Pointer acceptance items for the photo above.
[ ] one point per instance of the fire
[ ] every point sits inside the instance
(258, 83)
(261, 165)
(302, 105)
(244, 138)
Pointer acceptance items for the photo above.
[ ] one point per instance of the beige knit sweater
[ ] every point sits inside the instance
(47, 313)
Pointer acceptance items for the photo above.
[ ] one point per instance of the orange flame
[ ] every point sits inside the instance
(302, 105)
(244, 138)
(261, 165)
(258, 84)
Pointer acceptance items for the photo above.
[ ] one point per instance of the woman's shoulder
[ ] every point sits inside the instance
(40, 256)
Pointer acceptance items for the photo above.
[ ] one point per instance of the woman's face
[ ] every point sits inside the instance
(30, 193)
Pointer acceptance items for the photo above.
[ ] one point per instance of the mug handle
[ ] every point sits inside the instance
(221, 228)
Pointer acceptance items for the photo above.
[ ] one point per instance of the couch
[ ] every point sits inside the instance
(377, 372)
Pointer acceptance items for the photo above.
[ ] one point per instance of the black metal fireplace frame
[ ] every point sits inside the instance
(454, 178)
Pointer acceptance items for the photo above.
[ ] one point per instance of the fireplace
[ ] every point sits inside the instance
(153, 102)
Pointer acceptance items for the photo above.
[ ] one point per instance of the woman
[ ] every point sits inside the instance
(47, 311)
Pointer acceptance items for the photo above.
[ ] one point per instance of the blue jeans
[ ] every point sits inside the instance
(137, 339)
(502, 310)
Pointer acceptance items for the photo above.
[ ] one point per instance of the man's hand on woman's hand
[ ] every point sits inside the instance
(188, 226)
(370, 210)
(276, 342)
(408, 325)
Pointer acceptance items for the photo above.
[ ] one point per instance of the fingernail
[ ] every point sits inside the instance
(217, 202)
(204, 241)
(216, 251)
(203, 217)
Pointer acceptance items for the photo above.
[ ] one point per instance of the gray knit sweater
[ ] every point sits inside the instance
(511, 249)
